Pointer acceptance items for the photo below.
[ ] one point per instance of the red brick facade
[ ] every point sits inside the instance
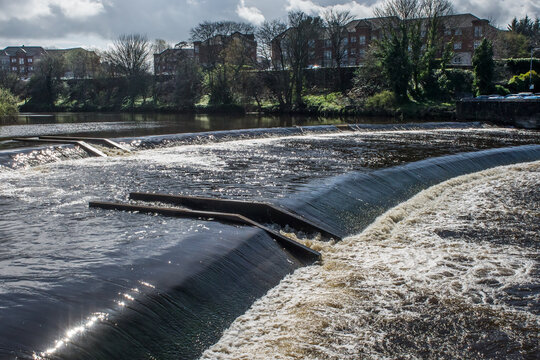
(464, 31)
(21, 60)
(210, 52)
(167, 62)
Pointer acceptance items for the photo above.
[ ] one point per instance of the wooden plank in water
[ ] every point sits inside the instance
(344, 127)
(105, 141)
(257, 211)
(86, 147)
(289, 244)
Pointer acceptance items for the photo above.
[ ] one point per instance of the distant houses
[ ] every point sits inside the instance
(464, 31)
(22, 60)
(207, 53)
(167, 61)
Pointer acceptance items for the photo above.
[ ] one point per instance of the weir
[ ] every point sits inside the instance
(165, 287)
(347, 204)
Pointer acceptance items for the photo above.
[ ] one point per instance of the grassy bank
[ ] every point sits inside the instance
(331, 104)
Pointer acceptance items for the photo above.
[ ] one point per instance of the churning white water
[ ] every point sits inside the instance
(451, 273)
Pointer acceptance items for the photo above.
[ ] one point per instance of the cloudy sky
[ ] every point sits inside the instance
(94, 23)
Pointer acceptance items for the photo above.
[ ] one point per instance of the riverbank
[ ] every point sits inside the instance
(332, 104)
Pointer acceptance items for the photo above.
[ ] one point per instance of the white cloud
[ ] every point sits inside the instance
(249, 13)
(79, 8)
(30, 9)
(309, 7)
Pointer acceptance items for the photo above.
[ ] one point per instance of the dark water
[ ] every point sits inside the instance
(86, 283)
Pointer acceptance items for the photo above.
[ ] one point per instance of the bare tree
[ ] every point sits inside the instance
(303, 30)
(335, 23)
(270, 36)
(159, 46)
(129, 54)
(129, 58)
(209, 29)
(269, 49)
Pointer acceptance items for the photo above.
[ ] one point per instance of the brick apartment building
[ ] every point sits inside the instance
(206, 53)
(21, 60)
(210, 51)
(464, 31)
(167, 61)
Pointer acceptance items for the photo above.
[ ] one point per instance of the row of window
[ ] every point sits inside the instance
(21, 60)
(352, 52)
(458, 45)
(360, 39)
(22, 68)
(477, 32)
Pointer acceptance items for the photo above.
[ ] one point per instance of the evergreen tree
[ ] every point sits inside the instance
(483, 67)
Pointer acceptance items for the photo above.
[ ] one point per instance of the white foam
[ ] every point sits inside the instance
(400, 271)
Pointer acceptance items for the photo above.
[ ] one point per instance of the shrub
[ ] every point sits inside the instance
(521, 82)
(8, 103)
(501, 90)
(460, 82)
(385, 100)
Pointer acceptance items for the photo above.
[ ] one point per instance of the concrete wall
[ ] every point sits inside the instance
(519, 113)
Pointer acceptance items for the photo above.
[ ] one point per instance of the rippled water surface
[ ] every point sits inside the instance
(63, 265)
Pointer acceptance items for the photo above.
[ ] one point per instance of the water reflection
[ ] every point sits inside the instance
(131, 125)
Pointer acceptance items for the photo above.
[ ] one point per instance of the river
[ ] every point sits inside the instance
(439, 257)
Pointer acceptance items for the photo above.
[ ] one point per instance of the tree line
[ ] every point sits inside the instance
(409, 62)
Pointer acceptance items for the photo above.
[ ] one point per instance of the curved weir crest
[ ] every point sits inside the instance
(347, 204)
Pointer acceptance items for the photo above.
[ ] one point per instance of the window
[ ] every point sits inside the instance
(362, 40)
(29, 60)
(457, 45)
(458, 32)
(354, 39)
(21, 61)
(13, 60)
(311, 43)
(328, 54)
(477, 31)
(477, 43)
(14, 68)
(362, 53)
(345, 41)
(327, 43)
(447, 31)
(423, 33)
(353, 51)
(457, 60)
(352, 62)
(31, 68)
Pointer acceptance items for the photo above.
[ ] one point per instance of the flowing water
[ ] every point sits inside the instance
(453, 273)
